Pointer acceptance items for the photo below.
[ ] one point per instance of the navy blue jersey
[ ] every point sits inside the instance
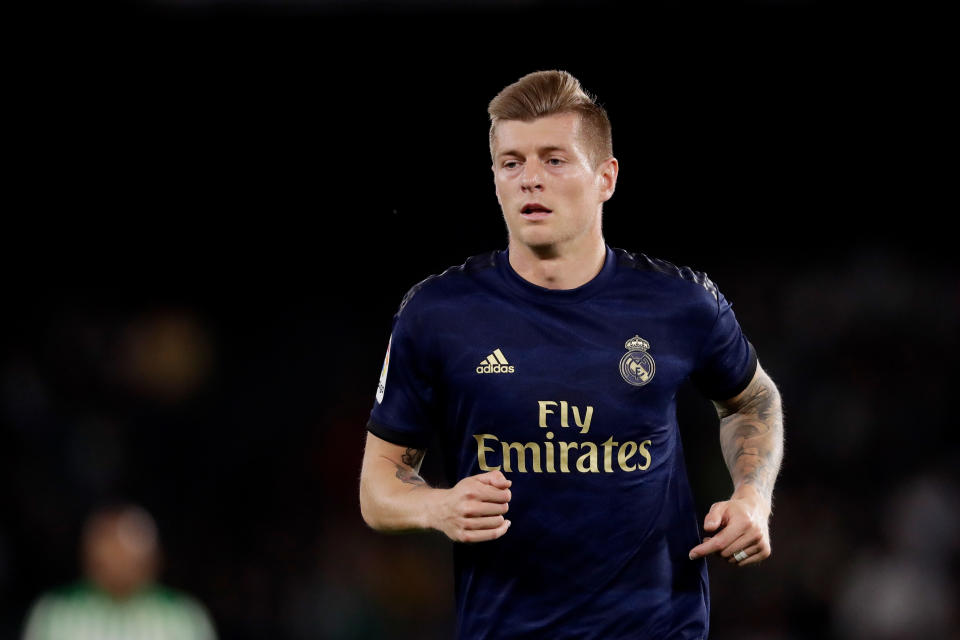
(572, 395)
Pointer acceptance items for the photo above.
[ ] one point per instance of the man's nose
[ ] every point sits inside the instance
(530, 179)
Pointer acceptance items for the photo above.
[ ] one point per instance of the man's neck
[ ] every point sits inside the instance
(558, 268)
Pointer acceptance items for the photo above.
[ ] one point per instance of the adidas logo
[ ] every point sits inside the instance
(496, 362)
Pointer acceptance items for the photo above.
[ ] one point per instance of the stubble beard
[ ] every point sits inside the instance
(543, 243)
(549, 243)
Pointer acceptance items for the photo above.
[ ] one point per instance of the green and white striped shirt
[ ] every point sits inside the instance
(84, 612)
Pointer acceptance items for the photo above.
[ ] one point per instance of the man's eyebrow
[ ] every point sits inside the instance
(540, 151)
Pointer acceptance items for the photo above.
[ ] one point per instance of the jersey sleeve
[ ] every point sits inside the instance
(403, 410)
(200, 622)
(727, 360)
(38, 620)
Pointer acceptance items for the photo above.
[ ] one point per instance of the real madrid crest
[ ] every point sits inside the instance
(637, 366)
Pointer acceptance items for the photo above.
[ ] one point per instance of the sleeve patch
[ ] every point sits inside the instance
(383, 373)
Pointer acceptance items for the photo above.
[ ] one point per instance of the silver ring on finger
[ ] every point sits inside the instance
(740, 556)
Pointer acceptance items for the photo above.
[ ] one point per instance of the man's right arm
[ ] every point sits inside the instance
(394, 498)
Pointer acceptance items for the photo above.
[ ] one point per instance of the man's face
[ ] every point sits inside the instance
(120, 553)
(550, 193)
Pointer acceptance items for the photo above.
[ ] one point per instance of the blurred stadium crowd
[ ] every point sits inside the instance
(239, 426)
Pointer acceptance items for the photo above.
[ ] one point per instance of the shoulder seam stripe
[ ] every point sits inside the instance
(473, 263)
(643, 262)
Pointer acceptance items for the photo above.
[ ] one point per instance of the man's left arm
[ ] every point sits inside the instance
(751, 437)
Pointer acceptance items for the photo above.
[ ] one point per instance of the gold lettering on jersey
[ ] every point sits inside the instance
(587, 463)
(549, 447)
(521, 456)
(544, 411)
(608, 446)
(565, 407)
(645, 454)
(585, 423)
(627, 451)
(564, 455)
(482, 451)
(582, 457)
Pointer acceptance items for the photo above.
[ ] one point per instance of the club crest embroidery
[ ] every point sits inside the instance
(637, 366)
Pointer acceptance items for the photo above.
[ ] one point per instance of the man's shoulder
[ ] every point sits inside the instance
(449, 283)
(179, 601)
(171, 596)
(66, 597)
(78, 590)
(667, 273)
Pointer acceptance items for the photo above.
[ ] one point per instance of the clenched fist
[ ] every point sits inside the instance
(473, 509)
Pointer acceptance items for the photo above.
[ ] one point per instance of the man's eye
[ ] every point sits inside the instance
(556, 162)
(510, 164)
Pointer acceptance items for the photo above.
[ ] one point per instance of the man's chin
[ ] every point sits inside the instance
(540, 243)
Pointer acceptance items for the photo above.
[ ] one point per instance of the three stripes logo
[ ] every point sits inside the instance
(496, 362)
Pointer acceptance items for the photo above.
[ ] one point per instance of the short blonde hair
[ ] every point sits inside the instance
(547, 93)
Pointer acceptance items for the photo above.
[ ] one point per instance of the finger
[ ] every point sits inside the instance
(480, 509)
(755, 554)
(486, 534)
(756, 558)
(494, 479)
(487, 493)
(750, 551)
(714, 544)
(476, 490)
(715, 517)
(489, 522)
(747, 539)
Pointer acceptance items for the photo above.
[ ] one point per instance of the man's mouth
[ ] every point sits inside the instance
(535, 211)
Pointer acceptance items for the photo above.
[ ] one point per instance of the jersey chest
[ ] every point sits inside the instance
(523, 368)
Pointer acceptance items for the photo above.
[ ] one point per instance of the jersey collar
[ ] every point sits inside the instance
(527, 289)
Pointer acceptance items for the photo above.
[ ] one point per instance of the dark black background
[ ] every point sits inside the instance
(283, 176)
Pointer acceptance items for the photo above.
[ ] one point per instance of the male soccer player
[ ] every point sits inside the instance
(549, 373)
(119, 599)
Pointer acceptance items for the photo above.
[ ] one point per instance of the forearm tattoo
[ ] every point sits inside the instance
(408, 471)
(751, 436)
(413, 457)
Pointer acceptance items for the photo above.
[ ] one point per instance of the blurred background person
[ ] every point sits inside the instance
(118, 597)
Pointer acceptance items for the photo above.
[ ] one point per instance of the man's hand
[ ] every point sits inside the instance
(394, 498)
(472, 510)
(751, 437)
(742, 525)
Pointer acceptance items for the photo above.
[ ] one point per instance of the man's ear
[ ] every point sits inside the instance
(607, 176)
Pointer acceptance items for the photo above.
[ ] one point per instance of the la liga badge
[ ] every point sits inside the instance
(383, 372)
